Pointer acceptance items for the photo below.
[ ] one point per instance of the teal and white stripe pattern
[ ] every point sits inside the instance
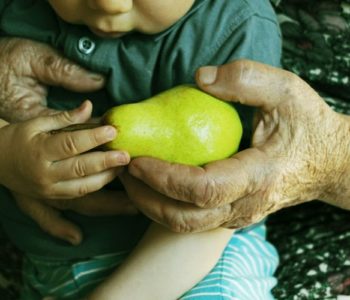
(244, 272)
(69, 280)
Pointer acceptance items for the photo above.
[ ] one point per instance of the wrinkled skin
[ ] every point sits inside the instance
(300, 151)
(51, 172)
(27, 68)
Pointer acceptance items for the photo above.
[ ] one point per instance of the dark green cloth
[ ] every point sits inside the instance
(137, 66)
(3, 4)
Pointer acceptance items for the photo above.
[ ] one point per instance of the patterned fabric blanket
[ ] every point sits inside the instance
(316, 46)
(314, 239)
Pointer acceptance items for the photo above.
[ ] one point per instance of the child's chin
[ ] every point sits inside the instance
(108, 35)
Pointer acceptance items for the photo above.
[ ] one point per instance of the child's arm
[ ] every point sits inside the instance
(164, 265)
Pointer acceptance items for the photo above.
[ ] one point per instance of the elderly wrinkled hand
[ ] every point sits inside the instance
(299, 152)
(27, 68)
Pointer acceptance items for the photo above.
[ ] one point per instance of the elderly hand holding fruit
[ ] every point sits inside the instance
(300, 151)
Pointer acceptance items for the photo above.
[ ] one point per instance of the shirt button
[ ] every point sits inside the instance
(86, 45)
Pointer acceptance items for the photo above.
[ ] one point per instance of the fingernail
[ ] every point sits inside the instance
(121, 157)
(207, 75)
(74, 240)
(134, 170)
(96, 77)
(82, 106)
(110, 132)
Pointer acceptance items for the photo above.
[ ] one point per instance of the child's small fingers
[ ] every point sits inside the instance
(79, 187)
(67, 144)
(50, 220)
(88, 164)
(63, 119)
(104, 203)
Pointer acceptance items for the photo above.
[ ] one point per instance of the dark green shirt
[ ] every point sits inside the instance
(137, 66)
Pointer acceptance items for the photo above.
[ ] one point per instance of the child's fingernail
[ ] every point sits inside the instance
(122, 157)
(110, 132)
(96, 77)
(74, 240)
(207, 75)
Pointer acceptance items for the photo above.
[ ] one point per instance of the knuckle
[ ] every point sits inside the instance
(43, 186)
(178, 224)
(106, 162)
(66, 117)
(79, 168)
(61, 66)
(69, 145)
(68, 67)
(243, 214)
(82, 190)
(96, 139)
(46, 191)
(241, 70)
(237, 222)
(40, 181)
(291, 85)
(179, 228)
(239, 64)
(54, 63)
(203, 193)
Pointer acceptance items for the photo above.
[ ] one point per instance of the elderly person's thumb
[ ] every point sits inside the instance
(248, 82)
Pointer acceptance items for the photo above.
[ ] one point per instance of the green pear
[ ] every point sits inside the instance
(181, 125)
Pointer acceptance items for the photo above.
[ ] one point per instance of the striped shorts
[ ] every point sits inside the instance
(244, 272)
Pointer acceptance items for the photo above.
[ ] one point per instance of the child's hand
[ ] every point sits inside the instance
(39, 164)
(46, 213)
